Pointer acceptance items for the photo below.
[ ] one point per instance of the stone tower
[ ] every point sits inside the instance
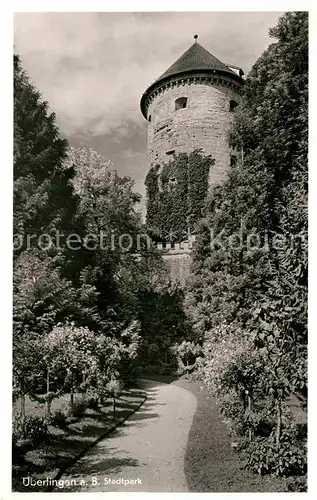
(190, 107)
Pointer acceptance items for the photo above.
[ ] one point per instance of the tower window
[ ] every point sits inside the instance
(171, 184)
(233, 160)
(150, 118)
(233, 105)
(180, 103)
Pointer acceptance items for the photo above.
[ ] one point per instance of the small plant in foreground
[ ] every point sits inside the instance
(31, 428)
(93, 401)
(78, 408)
(114, 387)
(297, 484)
(58, 418)
(264, 457)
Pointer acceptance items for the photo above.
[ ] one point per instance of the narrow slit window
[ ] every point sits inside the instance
(150, 118)
(233, 105)
(180, 103)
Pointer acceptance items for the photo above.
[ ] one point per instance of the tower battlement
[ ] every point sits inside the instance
(173, 248)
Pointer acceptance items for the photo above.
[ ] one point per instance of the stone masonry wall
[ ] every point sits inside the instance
(204, 123)
(178, 266)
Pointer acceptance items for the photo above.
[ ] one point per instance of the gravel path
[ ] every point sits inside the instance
(148, 450)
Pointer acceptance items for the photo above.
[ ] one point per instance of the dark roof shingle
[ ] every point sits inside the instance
(195, 58)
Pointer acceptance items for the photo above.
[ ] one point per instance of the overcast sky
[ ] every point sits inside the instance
(94, 67)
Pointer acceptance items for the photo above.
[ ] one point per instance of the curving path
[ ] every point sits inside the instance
(148, 449)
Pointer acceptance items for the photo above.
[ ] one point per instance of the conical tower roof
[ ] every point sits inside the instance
(195, 60)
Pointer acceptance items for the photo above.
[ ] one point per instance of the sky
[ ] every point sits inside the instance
(93, 67)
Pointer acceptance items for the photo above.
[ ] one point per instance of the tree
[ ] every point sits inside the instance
(68, 355)
(42, 299)
(43, 195)
(108, 219)
(250, 263)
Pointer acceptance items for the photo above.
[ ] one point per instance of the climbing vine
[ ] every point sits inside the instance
(176, 192)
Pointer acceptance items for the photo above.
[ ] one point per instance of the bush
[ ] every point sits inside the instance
(93, 401)
(151, 369)
(130, 371)
(297, 484)
(78, 408)
(263, 457)
(114, 387)
(31, 428)
(58, 418)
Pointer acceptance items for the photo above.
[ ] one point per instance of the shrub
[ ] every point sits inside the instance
(186, 354)
(297, 484)
(58, 418)
(263, 457)
(151, 369)
(252, 403)
(31, 428)
(78, 408)
(130, 371)
(114, 387)
(93, 401)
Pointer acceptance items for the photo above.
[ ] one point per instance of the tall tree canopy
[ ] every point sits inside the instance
(43, 195)
(266, 193)
(250, 266)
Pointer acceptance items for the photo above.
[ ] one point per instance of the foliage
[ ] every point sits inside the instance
(176, 192)
(41, 182)
(27, 357)
(69, 348)
(111, 227)
(31, 428)
(114, 387)
(162, 311)
(58, 418)
(247, 296)
(43, 298)
(297, 484)
(79, 317)
(187, 353)
(265, 457)
(78, 408)
(93, 400)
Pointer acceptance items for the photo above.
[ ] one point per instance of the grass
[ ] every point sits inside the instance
(64, 445)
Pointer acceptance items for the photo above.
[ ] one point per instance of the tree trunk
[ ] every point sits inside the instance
(84, 390)
(22, 400)
(278, 423)
(114, 408)
(250, 410)
(72, 395)
(48, 403)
